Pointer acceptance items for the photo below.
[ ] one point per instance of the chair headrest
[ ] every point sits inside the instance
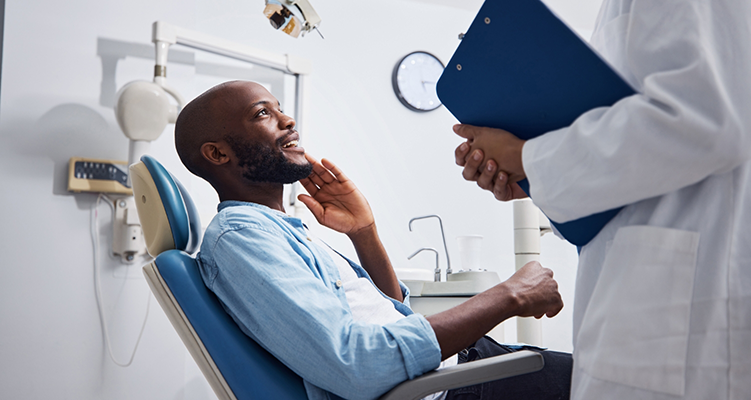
(168, 216)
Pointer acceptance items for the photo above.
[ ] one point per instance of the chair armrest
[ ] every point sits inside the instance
(466, 374)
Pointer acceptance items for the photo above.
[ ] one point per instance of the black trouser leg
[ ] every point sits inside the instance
(553, 382)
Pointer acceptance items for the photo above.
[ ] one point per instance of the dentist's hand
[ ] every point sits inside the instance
(334, 200)
(481, 155)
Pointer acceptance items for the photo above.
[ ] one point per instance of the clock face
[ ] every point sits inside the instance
(414, 80)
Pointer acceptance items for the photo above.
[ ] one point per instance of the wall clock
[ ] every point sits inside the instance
(414, 79)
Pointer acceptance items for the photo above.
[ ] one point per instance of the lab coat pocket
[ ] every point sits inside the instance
(635, 329)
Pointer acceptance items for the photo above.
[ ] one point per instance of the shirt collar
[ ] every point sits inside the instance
(296, 222)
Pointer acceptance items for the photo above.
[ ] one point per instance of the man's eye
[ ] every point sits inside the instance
(262, 112)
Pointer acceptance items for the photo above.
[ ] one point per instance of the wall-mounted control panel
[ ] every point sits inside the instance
(101, 176)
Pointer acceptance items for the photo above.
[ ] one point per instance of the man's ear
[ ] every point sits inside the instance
(215, 152)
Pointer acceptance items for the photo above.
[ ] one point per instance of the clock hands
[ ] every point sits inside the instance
(418, 69)
(424, 82)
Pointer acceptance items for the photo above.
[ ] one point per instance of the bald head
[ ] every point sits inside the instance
(197, 124)
(235, 135)
(208, 118)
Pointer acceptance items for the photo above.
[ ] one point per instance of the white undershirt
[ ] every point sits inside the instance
(368, 304)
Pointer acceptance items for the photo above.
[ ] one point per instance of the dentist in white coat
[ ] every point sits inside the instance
(663, 293)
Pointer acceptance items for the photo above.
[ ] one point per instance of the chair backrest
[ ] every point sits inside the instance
(235, 366)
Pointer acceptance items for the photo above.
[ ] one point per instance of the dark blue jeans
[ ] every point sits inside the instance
(553, 382)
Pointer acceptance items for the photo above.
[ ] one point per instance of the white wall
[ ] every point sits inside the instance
(58, 79)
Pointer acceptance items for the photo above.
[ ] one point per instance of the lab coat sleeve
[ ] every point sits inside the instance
(277, 298)
(690, 61)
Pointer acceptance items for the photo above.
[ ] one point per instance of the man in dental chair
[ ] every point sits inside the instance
(345, 328)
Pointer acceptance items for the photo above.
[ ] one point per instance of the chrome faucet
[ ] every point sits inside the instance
(445, 248)
(437, 277)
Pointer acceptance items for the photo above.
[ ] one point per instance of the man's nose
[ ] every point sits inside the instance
(286, 122)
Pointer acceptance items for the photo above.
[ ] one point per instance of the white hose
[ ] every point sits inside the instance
(100, 304)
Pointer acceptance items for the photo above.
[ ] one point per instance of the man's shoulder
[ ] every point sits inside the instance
(244, 222)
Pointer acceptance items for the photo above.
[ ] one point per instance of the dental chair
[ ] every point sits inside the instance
(235, 366)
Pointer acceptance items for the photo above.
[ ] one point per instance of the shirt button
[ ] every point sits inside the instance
(339, 283)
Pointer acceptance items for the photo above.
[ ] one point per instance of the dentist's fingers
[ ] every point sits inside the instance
(504, 190)
(460, 154)
(471, 170)
(466, 131)
(501, 189)
(489, 171)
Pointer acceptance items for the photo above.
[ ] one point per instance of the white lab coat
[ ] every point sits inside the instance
(663, 293)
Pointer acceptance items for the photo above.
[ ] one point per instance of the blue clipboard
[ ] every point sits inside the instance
(521, 69)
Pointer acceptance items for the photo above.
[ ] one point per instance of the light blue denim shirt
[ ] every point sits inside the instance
(281, 289)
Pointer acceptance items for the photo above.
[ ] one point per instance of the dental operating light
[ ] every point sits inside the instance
(292, 16)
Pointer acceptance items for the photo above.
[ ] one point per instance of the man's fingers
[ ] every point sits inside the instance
(471, 172)
(323, 173)
(311, 188)
(551, 314)
(460, 154)
(315, 175)
(315, 207)
(310, 158)
(316, 179)
(333, 169)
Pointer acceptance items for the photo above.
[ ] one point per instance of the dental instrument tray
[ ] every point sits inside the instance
(458, 284)
(521, 69)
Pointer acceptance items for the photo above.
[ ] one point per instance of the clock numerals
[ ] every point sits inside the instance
(414, 79)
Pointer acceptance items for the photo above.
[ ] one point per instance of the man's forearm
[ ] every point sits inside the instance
(459, 327)
(374, 259)
(530, 292)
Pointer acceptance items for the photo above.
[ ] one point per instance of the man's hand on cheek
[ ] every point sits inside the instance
(333, 199)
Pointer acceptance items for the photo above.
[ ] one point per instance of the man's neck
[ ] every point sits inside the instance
(268, 194)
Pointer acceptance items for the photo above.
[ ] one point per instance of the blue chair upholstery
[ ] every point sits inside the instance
(248, 370)
(235, 366)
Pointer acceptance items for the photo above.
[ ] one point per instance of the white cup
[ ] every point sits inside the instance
(470, 252)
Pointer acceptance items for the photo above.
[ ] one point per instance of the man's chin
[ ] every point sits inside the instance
(305, 170)
(285, 173)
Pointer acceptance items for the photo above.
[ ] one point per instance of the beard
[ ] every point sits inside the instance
(262, 163)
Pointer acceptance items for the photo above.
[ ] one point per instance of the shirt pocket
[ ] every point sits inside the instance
(635, 329)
